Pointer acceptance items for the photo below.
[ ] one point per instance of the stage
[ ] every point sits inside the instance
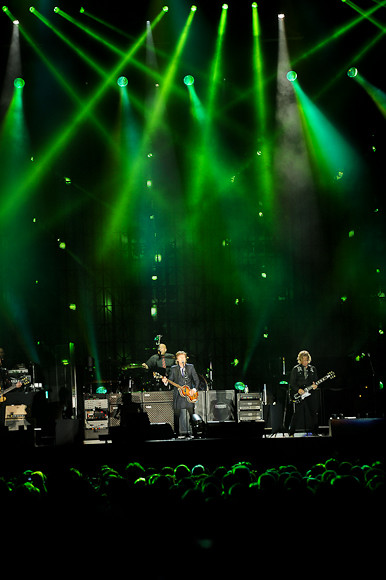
(355, 440)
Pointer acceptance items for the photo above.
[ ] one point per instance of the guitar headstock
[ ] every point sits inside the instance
(331, 374)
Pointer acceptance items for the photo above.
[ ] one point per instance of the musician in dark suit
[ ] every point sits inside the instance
(183, 374)
(306, 411)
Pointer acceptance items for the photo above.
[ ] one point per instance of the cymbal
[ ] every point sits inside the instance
(132, 366)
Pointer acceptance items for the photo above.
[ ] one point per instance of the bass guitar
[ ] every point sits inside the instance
(185, 391)
(23, 382)
(307, 390)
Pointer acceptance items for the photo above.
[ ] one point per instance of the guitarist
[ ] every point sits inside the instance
(182, 374)
(306, 412)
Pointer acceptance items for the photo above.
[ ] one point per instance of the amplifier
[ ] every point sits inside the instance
(158, 397)
(96, 416)
(159, 412)
(250, 404)
(115, 409)
(249, 407)
(93, 402)
(250, 416)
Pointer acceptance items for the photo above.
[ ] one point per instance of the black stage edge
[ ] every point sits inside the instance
(358, 440)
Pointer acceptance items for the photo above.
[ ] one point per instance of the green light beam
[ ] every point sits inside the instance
(367, 14)
(205, 163)
(331, 155)
(52, 67)
(356, 58)
(377, 96)
(114, 49)
(126, 198)
(263, 161)
(54, 149)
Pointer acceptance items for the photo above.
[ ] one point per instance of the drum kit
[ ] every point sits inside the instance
(132, 377)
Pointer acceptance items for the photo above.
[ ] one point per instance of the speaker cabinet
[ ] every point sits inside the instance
(220, 406)
(159, 412)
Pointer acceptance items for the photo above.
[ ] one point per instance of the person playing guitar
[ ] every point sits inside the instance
(183, 376)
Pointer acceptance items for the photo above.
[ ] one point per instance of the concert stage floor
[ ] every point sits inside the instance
(360, 441)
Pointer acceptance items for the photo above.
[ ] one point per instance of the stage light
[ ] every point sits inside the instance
(225, 6)
(72, 306)
(292, 76)
(352, 72)
(189, 80)
(32, 9)
(81, 10)
(19, 83)
(254, 4)
(5, 8)
(198, 426)
(240, 387)
(193, 8)
(281, 16)
(122, 82)
(165, 8)
(56, 9)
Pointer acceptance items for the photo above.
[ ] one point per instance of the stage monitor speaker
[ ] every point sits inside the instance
(135, 428)
(160, 431)
(357, 429)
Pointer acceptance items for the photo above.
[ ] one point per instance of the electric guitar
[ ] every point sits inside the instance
(184, 391)
(24, 382)
(307, 390)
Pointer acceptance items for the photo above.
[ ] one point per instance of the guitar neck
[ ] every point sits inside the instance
(7, 390)
(174, 384)
(322, 380)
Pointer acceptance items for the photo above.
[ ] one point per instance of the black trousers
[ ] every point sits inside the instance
(183, 410)
(305, 415)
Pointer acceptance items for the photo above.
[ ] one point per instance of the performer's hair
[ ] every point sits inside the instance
(304, 353)
(181, 352)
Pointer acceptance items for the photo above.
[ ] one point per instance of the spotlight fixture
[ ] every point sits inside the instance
(32, 9)
(122, 81)
(281, 16)
(352, 72)
(193, 8)
(19, 83)
(292, 76)
(225, 6)
(198, 425)
(165, 8)
(254, 4)
(240, 386)
(189, 80)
